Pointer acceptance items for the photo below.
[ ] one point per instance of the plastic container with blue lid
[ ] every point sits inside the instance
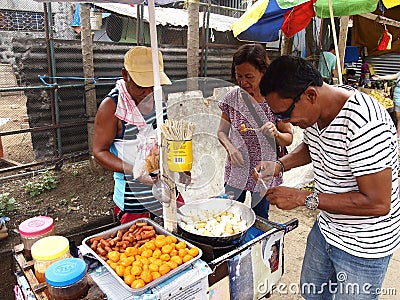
(67, 279)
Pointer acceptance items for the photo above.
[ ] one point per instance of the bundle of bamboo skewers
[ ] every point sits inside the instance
(178, 130)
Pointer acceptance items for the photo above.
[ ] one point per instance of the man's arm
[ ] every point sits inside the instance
(300, 156)
(371, 200)
(105, 129)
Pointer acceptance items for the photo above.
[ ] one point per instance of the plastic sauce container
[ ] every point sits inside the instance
(34, 229)
(66, 279)
(47, 251)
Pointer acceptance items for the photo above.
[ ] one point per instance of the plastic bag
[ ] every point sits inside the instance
(147, 161)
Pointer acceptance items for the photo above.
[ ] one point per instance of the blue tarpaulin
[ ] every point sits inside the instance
(351, 54)
(76, 21)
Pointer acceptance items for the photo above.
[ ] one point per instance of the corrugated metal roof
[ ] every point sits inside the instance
(170, 16)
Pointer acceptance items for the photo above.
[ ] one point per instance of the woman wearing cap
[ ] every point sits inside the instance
(122, 114)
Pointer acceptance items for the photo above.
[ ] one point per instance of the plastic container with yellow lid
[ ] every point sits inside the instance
(47, 251)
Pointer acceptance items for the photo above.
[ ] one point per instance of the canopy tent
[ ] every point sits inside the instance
(264, 19)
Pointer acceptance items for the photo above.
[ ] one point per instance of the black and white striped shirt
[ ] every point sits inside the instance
(361, 140)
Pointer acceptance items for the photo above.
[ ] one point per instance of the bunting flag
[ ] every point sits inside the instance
(261, 23)
(344, 7)
(391, 3)
(290, 3)
(298, 18)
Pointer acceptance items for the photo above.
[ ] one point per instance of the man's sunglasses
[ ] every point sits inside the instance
(287, 113)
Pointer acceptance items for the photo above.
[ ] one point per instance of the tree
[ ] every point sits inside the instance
(193, 39)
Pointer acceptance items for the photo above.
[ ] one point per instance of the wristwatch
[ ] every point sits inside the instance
(312, 201)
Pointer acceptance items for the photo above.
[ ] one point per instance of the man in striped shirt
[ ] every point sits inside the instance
(351, 141)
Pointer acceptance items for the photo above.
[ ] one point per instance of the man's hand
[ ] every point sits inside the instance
(286, 198)
(266, 170)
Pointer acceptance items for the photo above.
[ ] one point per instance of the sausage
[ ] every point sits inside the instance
(148, 227)
(141, 242)
(147, 234)
(97, 238)
(140, 224)
(94, 245)
(105, 243)
(128, 238)
(101, 251)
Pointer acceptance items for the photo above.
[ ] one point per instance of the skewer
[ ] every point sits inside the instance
(179, 130)
(262, 180)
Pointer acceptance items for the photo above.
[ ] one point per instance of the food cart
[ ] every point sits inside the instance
(247, 266)
(236, 271)
(383, 95)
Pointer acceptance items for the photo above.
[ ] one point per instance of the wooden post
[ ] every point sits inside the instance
(310, 39)
(169, 211)
(344, 24)
(1, 149)
(338, 65)
(287, 45)
(88, 71)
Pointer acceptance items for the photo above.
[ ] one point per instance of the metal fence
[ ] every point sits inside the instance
(43, 120)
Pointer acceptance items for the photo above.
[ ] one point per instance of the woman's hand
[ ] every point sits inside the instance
(235, 157)
(266, 169)
(269, 129)
(376, 77)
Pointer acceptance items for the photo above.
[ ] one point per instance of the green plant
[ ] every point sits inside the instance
(46, 182)
(7, 204)
(63, 202)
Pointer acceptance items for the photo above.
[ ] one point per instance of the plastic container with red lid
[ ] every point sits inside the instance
(34, 229)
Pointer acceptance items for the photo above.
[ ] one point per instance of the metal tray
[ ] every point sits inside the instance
(159, 230)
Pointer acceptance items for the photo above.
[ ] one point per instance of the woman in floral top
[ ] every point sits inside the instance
(245, 148)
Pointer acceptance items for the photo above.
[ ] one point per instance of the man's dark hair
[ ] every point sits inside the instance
(254, 54)
(331, 47)
(351, 72)
(288, 75)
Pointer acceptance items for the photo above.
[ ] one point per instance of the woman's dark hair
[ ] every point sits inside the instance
(288, 75)
(254, 54)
